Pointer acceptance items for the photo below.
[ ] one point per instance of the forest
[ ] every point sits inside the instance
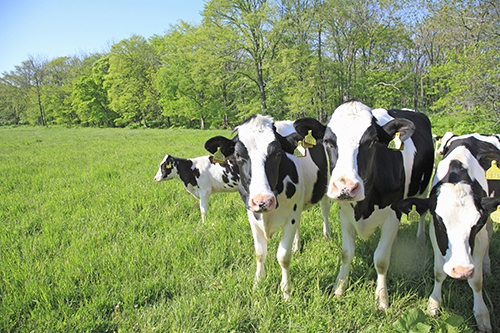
(286, 58)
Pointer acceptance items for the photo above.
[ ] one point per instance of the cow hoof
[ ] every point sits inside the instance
(381, 304)
(432, 308)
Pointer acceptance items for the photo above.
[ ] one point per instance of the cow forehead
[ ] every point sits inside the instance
(257, 133)
(164, 159)
(455, 205)
(350, 120)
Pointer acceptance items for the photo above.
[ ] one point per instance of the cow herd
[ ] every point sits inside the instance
(376, 164)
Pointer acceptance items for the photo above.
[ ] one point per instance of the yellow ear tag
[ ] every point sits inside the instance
(495, 216)
(309, 140)
(169, 165)
(219, 157)
(300, 151)
(493, 173)
(413, 215)
(396, 143)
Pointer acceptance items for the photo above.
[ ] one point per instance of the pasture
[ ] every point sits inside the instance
(89, 242)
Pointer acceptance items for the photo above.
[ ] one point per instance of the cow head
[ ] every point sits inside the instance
(258, 151)
(458, 215)
(167, 169)
(351, 138)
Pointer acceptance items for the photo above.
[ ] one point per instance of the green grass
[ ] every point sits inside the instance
(90, 243)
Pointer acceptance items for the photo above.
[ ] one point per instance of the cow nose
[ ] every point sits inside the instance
(460, 272)
(262, 203)
(344, 189)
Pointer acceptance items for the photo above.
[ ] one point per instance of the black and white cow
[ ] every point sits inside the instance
(275, 185)
(460, 207)
(485, 148)
(368, 179)
(201, 176)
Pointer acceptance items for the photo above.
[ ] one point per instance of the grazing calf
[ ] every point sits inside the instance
(275, 185)
(201, 176)
(368, 179)
(460, 207)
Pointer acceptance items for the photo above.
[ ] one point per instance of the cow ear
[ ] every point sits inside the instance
(304, 125)
(490, 204)
(294, 139)
(226, 145)
(287, 143)
(422, 205)
(402, 126)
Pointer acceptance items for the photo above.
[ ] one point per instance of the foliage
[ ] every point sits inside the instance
(288, 58)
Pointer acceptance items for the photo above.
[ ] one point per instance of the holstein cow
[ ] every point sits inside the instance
(275, 185)
(368, 179)
(485, 148)
(460, 207)
(201, 176)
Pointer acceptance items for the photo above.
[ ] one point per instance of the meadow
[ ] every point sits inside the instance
(89, 242)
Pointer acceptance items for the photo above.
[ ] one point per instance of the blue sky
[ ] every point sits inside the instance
(56, 28)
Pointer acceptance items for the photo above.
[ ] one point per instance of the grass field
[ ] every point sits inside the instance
(90, 243)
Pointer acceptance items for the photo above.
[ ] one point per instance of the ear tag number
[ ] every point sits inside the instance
(169, 165)
(413, 215)
(493, 173)
(219, 156)
(495, 216)
(396, 143)
(300, 151)
(309, 140)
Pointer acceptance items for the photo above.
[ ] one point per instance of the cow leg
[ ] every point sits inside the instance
(260, 243)
(439, 275)
(204, 205)
(325, 212)
(382, 259)
(296, 241)
(421, 230)
(284, 254)
(348, 247)
(486, 260)
(476, 283)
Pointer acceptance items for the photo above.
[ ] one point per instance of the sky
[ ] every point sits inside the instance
(57, 28)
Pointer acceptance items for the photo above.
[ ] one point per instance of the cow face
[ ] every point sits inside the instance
(458, 215)
(258, 150)
(351, 138)
(167, 169)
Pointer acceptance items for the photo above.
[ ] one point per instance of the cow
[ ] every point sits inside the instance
(460, 207)
(485, 148)
(367, 179)
(275, 185)
(201, 176)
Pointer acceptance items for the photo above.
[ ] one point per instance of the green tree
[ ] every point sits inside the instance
(133, 66)
(90, 98)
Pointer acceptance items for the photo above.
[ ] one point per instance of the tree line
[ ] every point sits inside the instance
(286, 58)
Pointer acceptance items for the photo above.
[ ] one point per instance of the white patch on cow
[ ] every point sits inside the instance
(284, 127)
(256, 135)
(444, 141)
(462, 154)
(455, 206)
(349, 122)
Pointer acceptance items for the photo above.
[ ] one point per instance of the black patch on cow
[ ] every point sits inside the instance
(319, 158)
(258, 217)
(187, 174)
(286, 168)
(441, 234)
(290, 190)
